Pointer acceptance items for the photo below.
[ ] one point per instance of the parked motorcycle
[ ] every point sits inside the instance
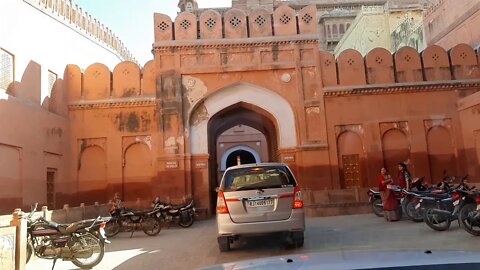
(439, 210)
(412, 197)
(469, 215)
(183, 215)
(127, 220)
(82, 243)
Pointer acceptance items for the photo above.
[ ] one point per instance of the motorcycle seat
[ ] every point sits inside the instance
(439, 196)
(73, 227)
(142, 212)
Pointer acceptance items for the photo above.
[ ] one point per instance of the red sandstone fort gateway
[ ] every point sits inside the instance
(334, 121)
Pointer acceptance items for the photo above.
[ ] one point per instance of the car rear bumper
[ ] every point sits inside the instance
(226, 227)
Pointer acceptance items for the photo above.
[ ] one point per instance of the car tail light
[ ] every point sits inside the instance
(297, 202)
(456, 196)
(102, 225)
(221, 204)
(477, 200)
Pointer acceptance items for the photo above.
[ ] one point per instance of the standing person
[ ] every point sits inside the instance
(389, 200)
(404, 176)
(116, 203)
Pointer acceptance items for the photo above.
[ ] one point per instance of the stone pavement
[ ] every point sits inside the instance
(195, 247)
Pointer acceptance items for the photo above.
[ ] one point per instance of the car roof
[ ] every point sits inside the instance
(252, 165)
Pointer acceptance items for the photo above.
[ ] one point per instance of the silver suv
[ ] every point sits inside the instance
(259, 198)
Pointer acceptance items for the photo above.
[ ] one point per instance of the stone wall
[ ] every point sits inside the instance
(69, 13)
(448, 23)
(469, 110)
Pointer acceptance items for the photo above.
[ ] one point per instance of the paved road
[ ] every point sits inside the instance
(178, 248)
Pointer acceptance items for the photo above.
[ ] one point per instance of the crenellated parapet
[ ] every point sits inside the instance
(406, 66)
(378, 71)
(73, 16)
(235, 24)
(98, 86)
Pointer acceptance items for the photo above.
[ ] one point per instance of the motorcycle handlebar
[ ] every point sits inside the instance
(34, 209)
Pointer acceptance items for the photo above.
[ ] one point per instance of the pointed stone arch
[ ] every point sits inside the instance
(351, 159)
(137, 171)
(257, 96)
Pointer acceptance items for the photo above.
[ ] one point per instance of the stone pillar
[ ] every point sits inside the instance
(21, 239)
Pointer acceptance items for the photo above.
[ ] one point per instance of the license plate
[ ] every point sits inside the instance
(259, 203)
(417, 206)
(478, 207)
(455, 203)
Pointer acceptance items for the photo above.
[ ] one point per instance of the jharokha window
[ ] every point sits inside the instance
(6, 69)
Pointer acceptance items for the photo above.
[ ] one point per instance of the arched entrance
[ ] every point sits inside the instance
(247, 155)
(350, 160)
(240, 157)
(240, 114)
(238, 104)
(396, 149)
(92, 175)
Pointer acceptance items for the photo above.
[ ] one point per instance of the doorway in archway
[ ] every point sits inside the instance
(257, 144)
(240, 157)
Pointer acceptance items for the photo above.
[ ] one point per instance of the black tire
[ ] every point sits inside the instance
(224, 243)
(464, 218)
(187, 222)
(29, 250)
(437, 222)
(153, 226)
(376, 208)
(413, 214)
(112, 228)
(101, 249)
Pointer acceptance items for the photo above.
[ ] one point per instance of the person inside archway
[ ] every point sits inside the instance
(404, 176)
(389, 200)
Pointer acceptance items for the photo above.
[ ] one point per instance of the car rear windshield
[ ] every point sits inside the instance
(258, 178)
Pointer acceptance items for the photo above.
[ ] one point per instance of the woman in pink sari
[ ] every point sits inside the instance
(389, 200)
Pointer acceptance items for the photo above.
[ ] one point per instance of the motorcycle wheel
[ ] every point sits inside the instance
(187, 222)
(112, 228)
(413, 214)
(90, 241)
(435, 221)
(377, 207)
(29, 251)
(464, 217)
(151, 226)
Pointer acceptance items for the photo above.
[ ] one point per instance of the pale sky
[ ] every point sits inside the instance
(132, 20)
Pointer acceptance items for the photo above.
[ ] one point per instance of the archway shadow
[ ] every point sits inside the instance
(239, 114)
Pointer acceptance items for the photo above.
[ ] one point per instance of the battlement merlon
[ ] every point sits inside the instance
(235, 24)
